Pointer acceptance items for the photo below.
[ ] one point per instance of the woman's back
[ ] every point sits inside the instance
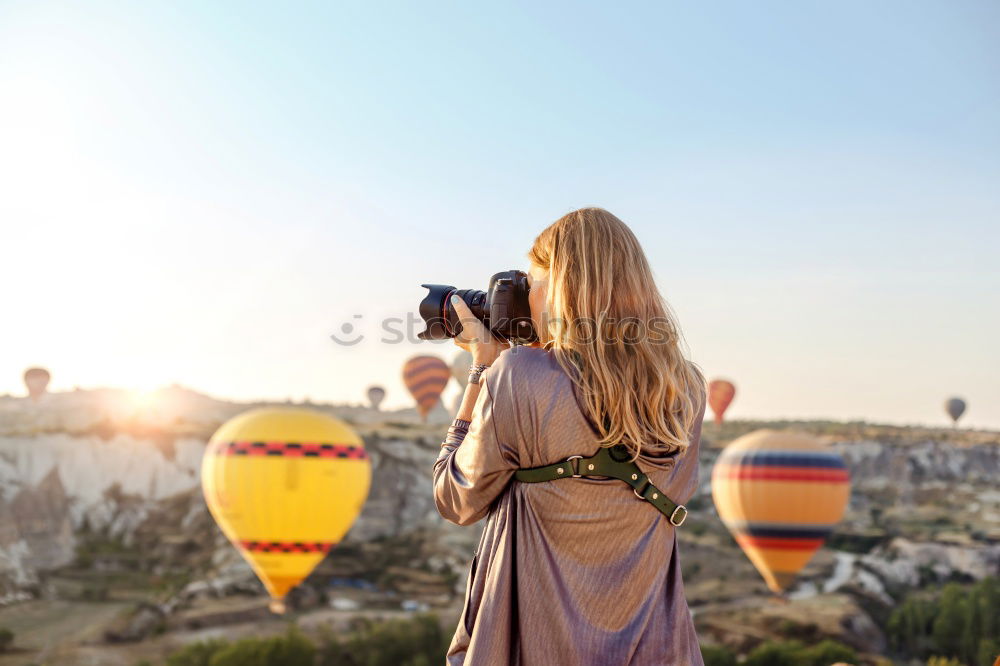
(576, 571)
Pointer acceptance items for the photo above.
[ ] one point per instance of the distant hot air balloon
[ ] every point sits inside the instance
(780, 494)
(285, 484)
(37, 381)
(425, 377)
(376, 394)
(460, 366)
(720, 394)
(955, 408)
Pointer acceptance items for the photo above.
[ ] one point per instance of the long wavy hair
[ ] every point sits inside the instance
(615, 335)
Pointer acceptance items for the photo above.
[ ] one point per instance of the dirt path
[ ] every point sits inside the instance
(64, 633)
(42, 628)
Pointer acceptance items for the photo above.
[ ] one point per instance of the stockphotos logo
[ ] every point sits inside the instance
(605, 330)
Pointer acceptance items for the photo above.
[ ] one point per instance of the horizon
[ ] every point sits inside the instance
(146, 400)
(198, 195)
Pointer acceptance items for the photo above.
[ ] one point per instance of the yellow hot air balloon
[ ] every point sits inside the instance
(780, 494)
(285, 484)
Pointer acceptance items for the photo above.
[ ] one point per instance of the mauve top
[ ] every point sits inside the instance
(569, 571)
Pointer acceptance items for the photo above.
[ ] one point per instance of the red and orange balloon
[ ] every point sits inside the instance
(36, 380)
(425, 378)
(720, 394)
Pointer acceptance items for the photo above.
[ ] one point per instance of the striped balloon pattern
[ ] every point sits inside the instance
(780, 494)
(425, 377)
(285, 485)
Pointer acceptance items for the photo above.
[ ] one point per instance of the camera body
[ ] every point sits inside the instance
(503, 308)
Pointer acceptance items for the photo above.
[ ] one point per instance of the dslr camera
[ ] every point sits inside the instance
(503, 308)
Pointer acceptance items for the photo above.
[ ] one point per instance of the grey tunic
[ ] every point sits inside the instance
(570, 571)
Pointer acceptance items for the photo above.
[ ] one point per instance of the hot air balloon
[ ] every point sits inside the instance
(37, 381)
(955, 408)
(460, 366)
(720, 394)
(285, 484)
(376, 394)
(780, 494)
(425, 377)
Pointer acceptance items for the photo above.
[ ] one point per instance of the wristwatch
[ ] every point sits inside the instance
(476, 372)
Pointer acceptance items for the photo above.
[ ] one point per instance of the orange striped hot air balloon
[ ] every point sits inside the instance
(426, 377)
(720, 393)
(780, 494)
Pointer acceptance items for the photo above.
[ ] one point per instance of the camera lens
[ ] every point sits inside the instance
(440, 317)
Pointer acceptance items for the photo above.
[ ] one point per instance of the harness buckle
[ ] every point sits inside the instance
(576, 466)
(678, 523)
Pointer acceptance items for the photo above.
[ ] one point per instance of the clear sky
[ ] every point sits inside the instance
(202, 193)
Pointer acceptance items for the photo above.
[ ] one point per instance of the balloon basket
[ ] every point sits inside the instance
(277, 606)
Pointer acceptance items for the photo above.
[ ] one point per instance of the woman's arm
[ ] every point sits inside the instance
(473, 467)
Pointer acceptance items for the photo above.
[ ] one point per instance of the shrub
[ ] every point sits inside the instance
(292, 649)
(962, 622)
(196, 654)
(773, 653)
(6, 639)
(828, 652)
(794, 653)
(412, 642)
(716, 655)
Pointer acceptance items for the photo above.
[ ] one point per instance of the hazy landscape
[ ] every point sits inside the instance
(108, 554)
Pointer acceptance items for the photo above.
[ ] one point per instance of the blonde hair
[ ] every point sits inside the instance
(613, 332)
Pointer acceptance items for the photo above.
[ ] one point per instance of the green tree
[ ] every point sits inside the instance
(411, 642)
(292, 649)
(971, 628)
(959, 623)
(717, 655)
(774, 653)
(828, 652)
(987, 652)
(196, 654)
(794, 653)
(948, 624)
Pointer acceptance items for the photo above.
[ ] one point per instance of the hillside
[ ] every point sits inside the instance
(107, 548)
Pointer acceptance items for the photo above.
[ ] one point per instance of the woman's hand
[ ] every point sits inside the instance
(475, 337)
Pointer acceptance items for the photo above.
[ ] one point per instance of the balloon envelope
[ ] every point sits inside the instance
(285, 484)
(955, 408)
(780, 494)
(460, 366)
(425, 377)
(376, 394)
(720, 393)
(37, 381)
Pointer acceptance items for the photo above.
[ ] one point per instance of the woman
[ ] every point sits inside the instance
(580, 570)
